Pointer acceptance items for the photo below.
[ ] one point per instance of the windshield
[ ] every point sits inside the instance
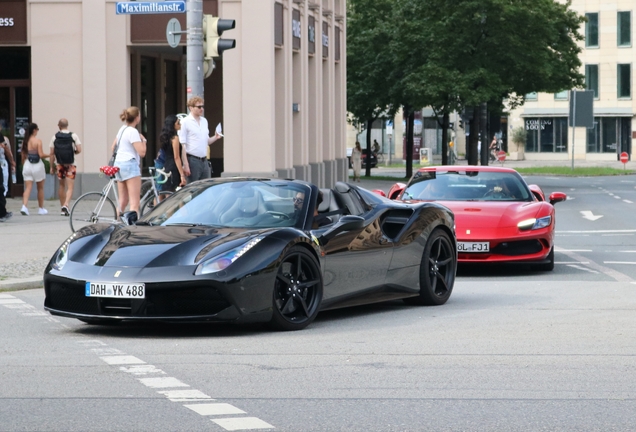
(241, 204)
(467, 186)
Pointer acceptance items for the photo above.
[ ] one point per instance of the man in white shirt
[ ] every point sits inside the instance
(65, 169)
(195, 137)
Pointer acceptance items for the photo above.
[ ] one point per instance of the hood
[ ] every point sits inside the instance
(144, 246)
(483, 220)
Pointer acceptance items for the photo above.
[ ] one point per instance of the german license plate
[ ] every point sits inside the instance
(114, 290)
(473, 246)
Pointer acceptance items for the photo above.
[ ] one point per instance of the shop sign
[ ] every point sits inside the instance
(150, 7)
(537, 124)
(6, 22)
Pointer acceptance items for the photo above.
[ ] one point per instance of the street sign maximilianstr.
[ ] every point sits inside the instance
(134, 7)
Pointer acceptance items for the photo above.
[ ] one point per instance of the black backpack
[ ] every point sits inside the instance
(64, 148)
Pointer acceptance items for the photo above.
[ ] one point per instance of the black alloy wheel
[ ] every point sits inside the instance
(437, 270)
(297, 291)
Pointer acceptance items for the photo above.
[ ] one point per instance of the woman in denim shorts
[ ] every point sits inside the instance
(131, 147)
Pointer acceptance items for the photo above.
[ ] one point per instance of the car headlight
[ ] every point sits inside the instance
(223, 261)
(535, 223)
(61, 257)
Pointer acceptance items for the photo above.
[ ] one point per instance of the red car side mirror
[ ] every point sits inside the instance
(556, 197)
(396, 190)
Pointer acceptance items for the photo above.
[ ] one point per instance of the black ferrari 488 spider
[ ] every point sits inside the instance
(255, 250)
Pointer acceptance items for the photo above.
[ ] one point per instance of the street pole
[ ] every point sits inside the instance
(194, 50)
(573, 123)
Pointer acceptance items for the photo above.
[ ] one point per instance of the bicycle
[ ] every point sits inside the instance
(98, 207)
(379, 157)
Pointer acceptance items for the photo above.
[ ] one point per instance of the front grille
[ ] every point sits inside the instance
(71, 297)
(521, 247)
(178, 301)
(162, 300)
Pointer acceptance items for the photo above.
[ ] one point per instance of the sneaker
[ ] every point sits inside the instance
(64, 211)
(24, 210)
(43, 211)
(6, 217)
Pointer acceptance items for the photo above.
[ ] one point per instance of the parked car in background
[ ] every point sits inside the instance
(498, 217)
(374, 159)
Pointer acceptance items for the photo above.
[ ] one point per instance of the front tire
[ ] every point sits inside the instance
(297, 291)
(549, 266)
(437, 270)
(90, 208)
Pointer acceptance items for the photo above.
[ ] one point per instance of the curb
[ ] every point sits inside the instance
(21, 284)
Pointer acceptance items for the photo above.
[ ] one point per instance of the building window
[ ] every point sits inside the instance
(591, 30)
(591, 79)
(609, 135)
(546, 134)
(624, 78)
(532, 96)
(562, 95)
(624, 24)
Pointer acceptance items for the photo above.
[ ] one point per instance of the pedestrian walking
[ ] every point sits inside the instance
(171, 146)
(195, 137)
(4, 214)
(63, 147)
(130, 146)
(356, 161)
(7, 162)
(33, 168)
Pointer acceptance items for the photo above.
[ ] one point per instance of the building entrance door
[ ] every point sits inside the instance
(15, 112)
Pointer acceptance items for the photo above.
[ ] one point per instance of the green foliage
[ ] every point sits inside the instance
(518, 136)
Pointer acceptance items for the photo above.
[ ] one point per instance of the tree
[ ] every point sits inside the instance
(367, 66)
(482, 51)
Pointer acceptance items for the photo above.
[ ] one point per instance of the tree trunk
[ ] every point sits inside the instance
(409, 141)
(473, 157)
(483, 129)
(367, 151)
(445, 121)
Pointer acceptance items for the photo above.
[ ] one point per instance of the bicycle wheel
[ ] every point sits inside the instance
(149, 203)
(145, 187)
(380, 158)
(90, 208)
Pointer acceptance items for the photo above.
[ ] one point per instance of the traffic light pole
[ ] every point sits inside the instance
(194, 49)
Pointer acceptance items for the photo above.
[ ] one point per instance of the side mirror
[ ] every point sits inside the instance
(379, 192)
(129, 217)
(556, 197)
(346, 223)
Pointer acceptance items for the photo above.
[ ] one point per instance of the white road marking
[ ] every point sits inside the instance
(628, 201)
(92, 342)
(19, 306)
(6, 296)
(598, 232)
(233, 424)
(166, 382)
(7, 301)
(215, 409)
(582, 268)
(106, 351)
(558, 249)
(122, 360)
(142, 370)
(627, 251)
(616, 235)
(572, 262)
(589, 215)
(617, 197)
(185, 395)
(619, 262)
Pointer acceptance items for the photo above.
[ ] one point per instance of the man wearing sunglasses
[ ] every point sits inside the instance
(195, 137)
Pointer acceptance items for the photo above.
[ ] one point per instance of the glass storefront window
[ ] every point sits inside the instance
(609, 135)
(546, 134)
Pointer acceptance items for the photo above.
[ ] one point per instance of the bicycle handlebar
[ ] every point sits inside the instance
(161, 176)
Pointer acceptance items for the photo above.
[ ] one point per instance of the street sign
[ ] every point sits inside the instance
(148, 7)
(624, 157)
(581, 109)
(173, 32)
(501, 156)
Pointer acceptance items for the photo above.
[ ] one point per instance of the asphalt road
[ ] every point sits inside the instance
(512, 350)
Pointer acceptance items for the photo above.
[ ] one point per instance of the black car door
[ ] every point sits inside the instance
(354, 260)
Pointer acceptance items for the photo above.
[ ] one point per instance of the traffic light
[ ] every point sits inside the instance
(213, 27)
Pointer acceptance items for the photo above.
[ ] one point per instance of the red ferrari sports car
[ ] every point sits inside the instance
(498, 217)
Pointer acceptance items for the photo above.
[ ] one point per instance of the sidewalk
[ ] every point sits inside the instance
(28, 242)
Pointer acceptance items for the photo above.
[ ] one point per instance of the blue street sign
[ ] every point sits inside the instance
(148, 7)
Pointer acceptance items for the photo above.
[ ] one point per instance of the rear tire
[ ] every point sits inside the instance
(549, 266)
(437, 271)
(85, 212)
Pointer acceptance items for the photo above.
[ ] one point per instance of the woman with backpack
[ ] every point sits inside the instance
(33, 168)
